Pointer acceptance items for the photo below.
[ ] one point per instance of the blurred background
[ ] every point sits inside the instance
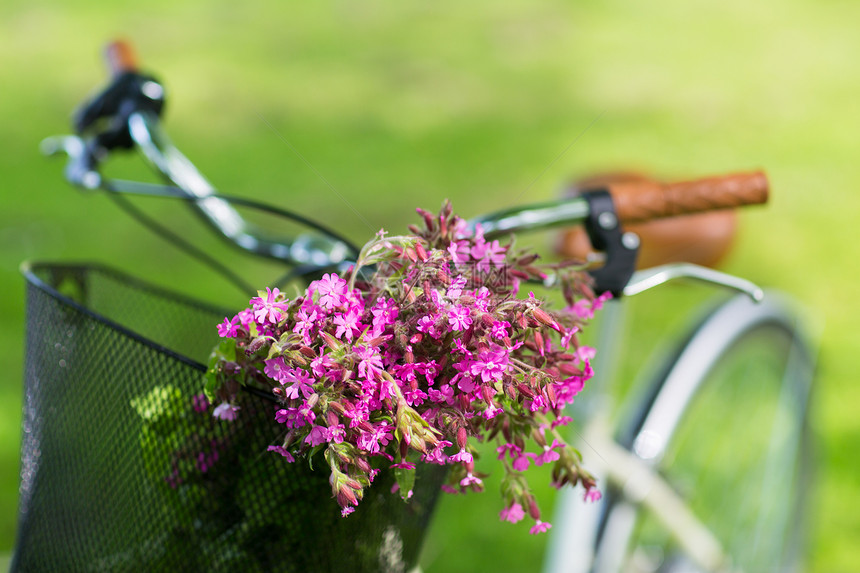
(357, 112)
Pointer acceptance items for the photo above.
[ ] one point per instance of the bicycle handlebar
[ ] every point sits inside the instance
(639, 201)
(634, 201)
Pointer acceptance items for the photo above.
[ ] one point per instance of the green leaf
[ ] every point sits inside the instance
(159, 403)
(224, 352)
(406, 480)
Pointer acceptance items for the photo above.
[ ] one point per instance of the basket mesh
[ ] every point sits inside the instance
(122, 471)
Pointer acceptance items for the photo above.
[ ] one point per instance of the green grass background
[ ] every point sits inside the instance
(489, 104)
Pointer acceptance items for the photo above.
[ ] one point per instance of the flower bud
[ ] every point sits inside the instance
(569, 369)
(506, 430)
(534, 511)
(487, 393)
(535, 272)
(420, 251)
(256, 345)
(362, 464)
(418, 443)
(539, 342)
(465, 402)
(307, 351)
(462, 437)
(346, 497)
(338, 408)
(330, 340)
(550, 394)
(527, 260)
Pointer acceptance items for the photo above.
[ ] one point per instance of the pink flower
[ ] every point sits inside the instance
(461, 456)
(491, 364)
(585, 353)
(305, 322)
(403, 465)
(459, 318)
(512, 450)
(445, 394)
(276, 369)
(488, 255)
(299, 381)
(337, 433)
(459, 251)
(246, 317)
(226, 411)
(229, 328)
(521, 463)
(370, 366)
(540, 527)
(292, 418)
(549, 455)
(456, 288)
(268, 310)
(437, 456)
(200, 403)
(567, 389)
(427, 324)
(332, 290)
(500, 329)
(471, 480)
(592, 495)
(318, 435)
(347, 324)
(378, 436)
(415, 397)
(567, 337)
(514, 513)
(492, 411)
(582, 309)
(283, 451)
(384, 314)
(482, 299)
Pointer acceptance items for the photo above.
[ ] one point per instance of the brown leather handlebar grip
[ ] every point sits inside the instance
(637, 201)
(120, 57)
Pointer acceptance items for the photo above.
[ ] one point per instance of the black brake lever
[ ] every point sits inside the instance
(605, 232)
(105, 117)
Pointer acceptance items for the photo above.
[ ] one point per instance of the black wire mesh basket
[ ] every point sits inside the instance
(123, 467)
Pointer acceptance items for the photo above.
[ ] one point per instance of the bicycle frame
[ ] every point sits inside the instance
(632, 472)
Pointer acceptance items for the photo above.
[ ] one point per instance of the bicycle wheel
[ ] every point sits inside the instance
(725, 424)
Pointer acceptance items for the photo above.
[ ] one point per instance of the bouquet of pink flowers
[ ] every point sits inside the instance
(416, 352)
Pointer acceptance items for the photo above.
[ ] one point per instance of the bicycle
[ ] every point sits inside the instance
(126, 115)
